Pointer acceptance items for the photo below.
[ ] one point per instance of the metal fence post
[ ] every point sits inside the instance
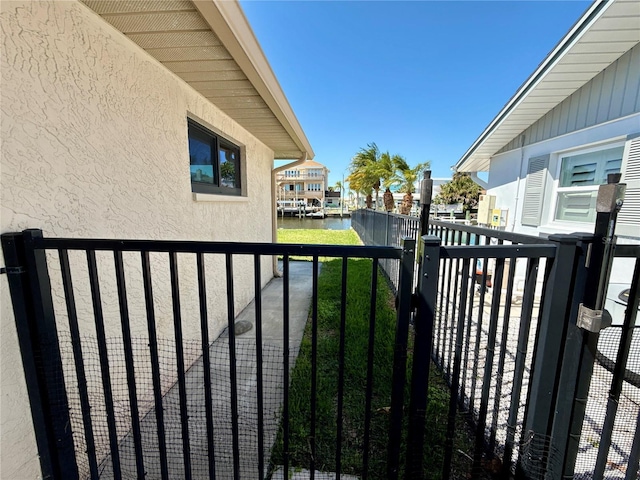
(30, 291)
(426, 190)
(423, 324)
(386, 230)
(570, 363)
(403, 315)
(552, 328)
(608, 205)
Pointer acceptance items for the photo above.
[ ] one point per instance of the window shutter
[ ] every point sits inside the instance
(630, 212)
(534, 190)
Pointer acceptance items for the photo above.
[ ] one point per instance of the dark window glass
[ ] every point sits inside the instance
(229, 160)
(214, 162)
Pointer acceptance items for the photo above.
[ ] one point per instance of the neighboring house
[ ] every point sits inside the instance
(399, 196)
(332, 198)
(306, 183)
(575, 120)
(155, 120)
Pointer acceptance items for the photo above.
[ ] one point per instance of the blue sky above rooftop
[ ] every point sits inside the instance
(420, 78)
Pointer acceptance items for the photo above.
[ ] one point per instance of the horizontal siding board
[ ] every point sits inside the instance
(184, 54)
(621, 36)
(202, 66)
(618, 47)
(204, 38)
(157, 22)
(118, 6)
(196, 78)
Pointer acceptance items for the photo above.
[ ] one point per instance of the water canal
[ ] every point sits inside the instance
(328, 223)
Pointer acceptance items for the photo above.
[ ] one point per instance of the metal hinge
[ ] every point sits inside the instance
(592, 320)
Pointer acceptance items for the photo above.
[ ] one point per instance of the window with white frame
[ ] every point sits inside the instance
(580, 176)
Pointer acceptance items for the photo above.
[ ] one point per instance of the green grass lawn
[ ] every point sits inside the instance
(355, 365)
(323, 237)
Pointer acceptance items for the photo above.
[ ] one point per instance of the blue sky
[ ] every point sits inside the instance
(419, 78)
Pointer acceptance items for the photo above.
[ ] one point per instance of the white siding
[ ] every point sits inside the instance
(612, 94)
(94, 144)
(507, 176)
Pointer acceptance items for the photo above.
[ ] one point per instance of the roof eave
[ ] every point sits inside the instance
(229, 23)
(468, 162)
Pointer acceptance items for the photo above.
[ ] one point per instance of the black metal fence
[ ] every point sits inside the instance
(127, 377)
(388, 229)
(507, 340)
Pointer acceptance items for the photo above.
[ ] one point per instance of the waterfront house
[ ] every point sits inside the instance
(305, 183)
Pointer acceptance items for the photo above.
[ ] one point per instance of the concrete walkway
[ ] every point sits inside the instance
(300, 292)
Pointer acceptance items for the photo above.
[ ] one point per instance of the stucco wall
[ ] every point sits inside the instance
(94, 144)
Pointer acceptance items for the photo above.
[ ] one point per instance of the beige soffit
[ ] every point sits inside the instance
(211, 46)
(604, 33)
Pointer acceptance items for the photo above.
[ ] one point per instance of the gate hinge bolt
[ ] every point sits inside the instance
(592, 320)
(12, 270)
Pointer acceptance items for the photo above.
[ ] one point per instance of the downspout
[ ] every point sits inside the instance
(478, 180)
(515, 213)
(274, 216)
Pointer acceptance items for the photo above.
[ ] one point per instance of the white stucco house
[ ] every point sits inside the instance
(572, 122)
(155, 120)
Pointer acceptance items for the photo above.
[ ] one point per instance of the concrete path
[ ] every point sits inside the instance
(300, 292)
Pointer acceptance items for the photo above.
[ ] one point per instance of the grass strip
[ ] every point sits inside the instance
(355, 365)
(318, 237)
(356, 341)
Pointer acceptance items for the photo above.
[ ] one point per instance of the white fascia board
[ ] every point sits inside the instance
(576, 32)
(228, 22)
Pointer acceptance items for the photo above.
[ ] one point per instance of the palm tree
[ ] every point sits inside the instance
(357, 183)
(407, 177)
(364, 176)
(386, 170)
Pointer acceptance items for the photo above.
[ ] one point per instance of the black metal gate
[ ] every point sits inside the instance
(519, 357)
(124, 375)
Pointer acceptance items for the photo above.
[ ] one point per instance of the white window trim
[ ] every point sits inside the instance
(556, 189)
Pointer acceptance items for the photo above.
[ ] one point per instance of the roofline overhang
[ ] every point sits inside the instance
(595, 10)
(231, 26)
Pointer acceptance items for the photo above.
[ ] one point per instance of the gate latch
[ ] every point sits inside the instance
(593, 320)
